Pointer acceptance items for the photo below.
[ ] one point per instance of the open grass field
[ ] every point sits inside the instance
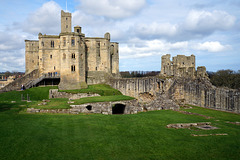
(109, 137)
(139, 136)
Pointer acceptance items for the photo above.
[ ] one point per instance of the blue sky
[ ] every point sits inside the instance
(145, 29)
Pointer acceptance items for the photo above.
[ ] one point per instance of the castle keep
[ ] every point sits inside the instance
(76, 59)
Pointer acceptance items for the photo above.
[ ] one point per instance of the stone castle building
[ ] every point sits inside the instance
(181, 66)
(77, 59)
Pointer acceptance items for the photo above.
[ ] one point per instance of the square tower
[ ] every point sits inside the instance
(66, 22)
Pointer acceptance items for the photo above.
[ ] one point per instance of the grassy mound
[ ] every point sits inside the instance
(102, 99)
(101, 89)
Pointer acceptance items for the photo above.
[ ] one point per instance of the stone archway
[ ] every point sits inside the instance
(118, 108)
(89, 107)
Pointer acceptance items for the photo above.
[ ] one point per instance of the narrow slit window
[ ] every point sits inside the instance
(52, 44)
(73, 56)
(73, 68)
(64, 41)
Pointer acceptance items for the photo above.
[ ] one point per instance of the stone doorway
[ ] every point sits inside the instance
(118, 109)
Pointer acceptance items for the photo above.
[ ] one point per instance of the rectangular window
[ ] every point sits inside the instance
(73, 68)
(64, 41)
(73, 41)
(52, 44)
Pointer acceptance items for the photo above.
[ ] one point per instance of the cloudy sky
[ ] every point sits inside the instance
(145, 29)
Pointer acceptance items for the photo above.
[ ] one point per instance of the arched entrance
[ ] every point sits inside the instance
(118, 109)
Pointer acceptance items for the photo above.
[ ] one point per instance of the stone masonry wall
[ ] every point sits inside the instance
(201, 92)
(134, 86)
(54, 93)
(130, 107)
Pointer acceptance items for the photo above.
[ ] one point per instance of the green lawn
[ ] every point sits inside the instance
(102, 99)
(35, 94)
(101, 89)
(139, 136)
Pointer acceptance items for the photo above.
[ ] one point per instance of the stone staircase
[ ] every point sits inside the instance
(26, 79)
(34, 82)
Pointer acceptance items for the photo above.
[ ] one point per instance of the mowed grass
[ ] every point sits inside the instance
(101, 89)
(102, 99)
(110, 137)
(35, 94)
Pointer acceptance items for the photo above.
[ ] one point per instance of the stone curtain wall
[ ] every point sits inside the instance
(202, 93)
(16, 85)
(134, 86)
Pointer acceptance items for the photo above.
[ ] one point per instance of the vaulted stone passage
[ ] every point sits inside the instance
(118, 109)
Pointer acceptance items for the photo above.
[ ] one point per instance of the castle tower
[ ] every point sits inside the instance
(66, 22)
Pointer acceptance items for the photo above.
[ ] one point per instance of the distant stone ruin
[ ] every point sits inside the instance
(182, 66)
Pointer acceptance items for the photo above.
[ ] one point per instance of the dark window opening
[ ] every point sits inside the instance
(64, 41)
(78, 30)
(89, 107)
(52, 43)
(73, 41)
(42, 43)
(118, 109)
(66, 19)
(66, 26)
(51, 56)
(73, 68)
(96, 68)
(182, 62)
(73, 56)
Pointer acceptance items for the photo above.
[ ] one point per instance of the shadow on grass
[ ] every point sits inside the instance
(6, 106)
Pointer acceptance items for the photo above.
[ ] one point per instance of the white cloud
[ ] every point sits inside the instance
(112, 8)
(149, 48)
(211, 46)
(198, 24)
(45, 20)
(204, 21)
(155, 29)
(10, 41)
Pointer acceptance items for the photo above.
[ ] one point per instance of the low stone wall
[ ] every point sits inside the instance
(130, 107)
(117, 107)
(54, 93)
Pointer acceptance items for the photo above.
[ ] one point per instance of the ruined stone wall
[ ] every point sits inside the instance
(134, 86)
(129, 107)
(201, 92)
(54, 93)
(181, 66)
